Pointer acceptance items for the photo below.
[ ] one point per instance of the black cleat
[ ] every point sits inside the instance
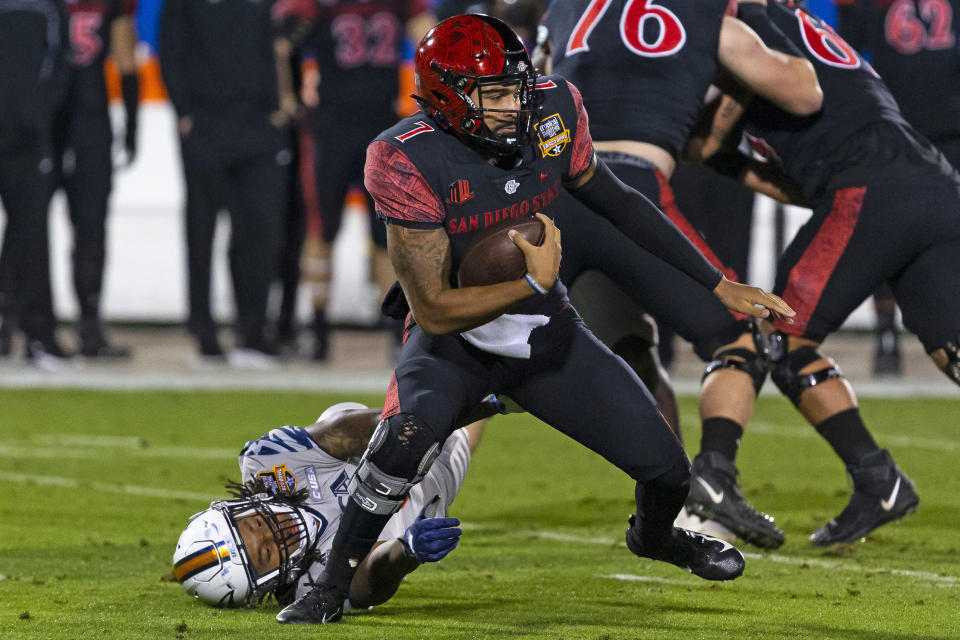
(103, 350)
(208, 345)
(881, 494)
(321, 605)
(701, 555)
(887, 363)
(715, 495)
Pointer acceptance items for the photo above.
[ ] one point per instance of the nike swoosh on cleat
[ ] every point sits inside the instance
(327, 618)
(716, 497)
(889, 502)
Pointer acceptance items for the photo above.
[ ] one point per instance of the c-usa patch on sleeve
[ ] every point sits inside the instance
(554, 137)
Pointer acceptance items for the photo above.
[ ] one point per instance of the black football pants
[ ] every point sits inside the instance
(83, 140)
(571, 381)
(239, 165)
(25, 191)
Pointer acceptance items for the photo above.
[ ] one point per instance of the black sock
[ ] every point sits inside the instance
(721, 435)
(848, 436)
(357, 534)
(660, 500)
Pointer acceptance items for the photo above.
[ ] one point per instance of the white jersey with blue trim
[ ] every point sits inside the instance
(287, 459)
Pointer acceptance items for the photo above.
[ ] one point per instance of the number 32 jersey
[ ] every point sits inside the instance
(642, 66)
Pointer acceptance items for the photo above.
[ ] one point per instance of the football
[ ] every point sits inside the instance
(492, 256)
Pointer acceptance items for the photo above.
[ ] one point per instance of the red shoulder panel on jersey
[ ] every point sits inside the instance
(545, 84)
(397, 187)
(582, 154)
(421, 127)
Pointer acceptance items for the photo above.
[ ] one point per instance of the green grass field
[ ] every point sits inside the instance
(95, 488)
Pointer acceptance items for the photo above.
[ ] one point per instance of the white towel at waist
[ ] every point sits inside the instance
(507, 335)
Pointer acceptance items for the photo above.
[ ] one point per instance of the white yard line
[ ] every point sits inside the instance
(925, 576)
(135, 451)
(897, 440)
(71, 483)
(632, 578)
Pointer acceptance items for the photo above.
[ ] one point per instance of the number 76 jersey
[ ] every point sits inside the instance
(642, 66)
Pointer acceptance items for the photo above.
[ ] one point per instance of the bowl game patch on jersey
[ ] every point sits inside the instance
(553, 136)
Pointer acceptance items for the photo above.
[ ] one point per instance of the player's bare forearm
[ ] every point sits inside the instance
(379, 575)
(788, 81)
(422, 260)
(346, 434)
(123, 44)
(769, 179)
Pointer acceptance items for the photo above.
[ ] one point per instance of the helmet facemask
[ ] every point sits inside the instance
(473, 126)
(292, 534)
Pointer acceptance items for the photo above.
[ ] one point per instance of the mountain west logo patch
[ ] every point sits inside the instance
(459, 192)
(554, 137)
(279, 480)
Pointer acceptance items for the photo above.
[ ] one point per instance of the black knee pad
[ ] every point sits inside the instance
(400, 453)
(953, 360)
(785, 372)
(750, 362)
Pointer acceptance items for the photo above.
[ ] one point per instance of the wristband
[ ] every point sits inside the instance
(536, 286)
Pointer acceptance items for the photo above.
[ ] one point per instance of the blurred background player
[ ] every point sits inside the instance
(663, 76)
(352, 52)
(721, 210)
(913, 46)
(864, 194)
(306, 473)
(220, 68)
(34, 52)
(84, 151)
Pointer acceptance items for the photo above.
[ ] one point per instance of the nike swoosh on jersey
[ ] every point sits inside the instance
(889, 502)
(544, 176)
(715, 496)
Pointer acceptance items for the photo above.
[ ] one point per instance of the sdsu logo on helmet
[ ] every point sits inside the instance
(455, 61)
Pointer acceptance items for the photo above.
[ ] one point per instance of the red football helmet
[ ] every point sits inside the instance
(465, 52)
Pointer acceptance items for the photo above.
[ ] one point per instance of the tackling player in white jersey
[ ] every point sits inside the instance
(274, 538)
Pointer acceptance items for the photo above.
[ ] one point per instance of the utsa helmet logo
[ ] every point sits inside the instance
(459, 192)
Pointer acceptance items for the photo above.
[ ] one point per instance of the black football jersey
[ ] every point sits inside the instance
(815, 148)
(90, 22)
(643, 66)
(913, 46)
(358, 46)
(466, 192)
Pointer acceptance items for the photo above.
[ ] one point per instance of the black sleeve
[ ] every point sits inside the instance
(755, 16)
(173, 47)
(641, 221)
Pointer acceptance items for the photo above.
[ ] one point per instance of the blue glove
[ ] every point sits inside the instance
(430, 539)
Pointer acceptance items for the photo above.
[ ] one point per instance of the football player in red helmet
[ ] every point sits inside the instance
(497, 142)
